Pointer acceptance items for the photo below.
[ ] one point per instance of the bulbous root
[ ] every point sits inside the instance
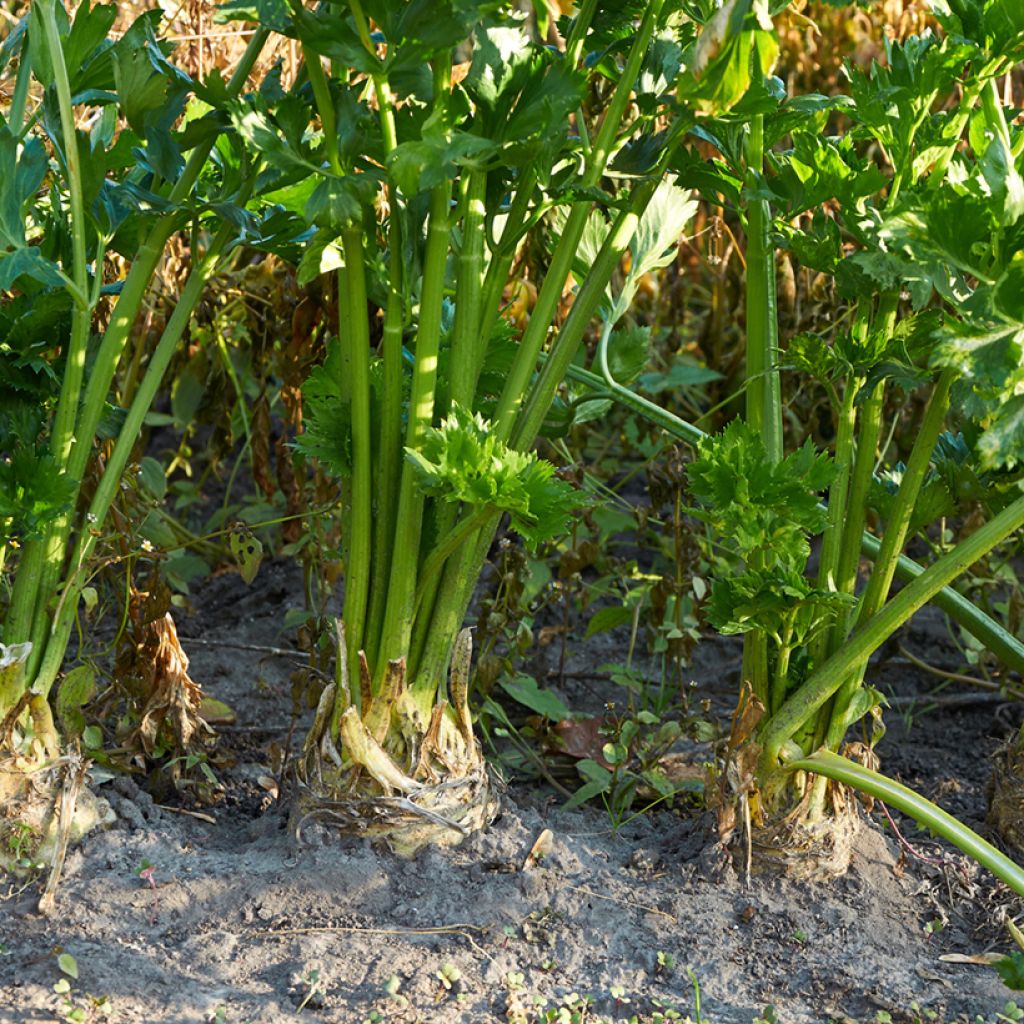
(794, 829)
(410, 774)
(807, 851)
(1006, 796)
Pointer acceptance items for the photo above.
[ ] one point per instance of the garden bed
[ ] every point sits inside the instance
(242, 924)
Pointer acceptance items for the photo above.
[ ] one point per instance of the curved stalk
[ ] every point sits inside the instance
(923, 811)
(995, 637)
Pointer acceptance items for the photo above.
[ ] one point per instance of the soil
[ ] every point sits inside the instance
(238, 923)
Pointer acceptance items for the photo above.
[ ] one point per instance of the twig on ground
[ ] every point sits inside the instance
(192, 814)
(464, 930)
(624, 903)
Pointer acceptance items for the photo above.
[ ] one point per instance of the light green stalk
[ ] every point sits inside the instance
(525, 364)
(462, 571)
(764, 395)
(397, 627)
(31, 599)
(986, 630)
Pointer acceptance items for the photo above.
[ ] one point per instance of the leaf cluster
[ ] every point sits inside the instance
(768, 510)
(462, 460)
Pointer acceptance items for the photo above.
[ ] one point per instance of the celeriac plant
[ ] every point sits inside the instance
(91, 165)
(420, 179)
(924, 243)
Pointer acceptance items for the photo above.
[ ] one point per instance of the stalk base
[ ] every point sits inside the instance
(409, 770)
(807, 851)
(1006, 796)
(32, 796)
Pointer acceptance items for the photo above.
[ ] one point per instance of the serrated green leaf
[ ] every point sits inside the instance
(462, 460)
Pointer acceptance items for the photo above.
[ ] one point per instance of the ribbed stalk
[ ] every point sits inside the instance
(33, 588)
(894, 539)
(28, 585)
(985, 629)
(360, 546)
(764, 396)
(462, 571)
(397, 626)
(389, 445)
(831, 544)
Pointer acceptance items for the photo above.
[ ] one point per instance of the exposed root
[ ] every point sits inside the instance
(807, 851)
(411, 775)
(43, 807)
(1006, 796)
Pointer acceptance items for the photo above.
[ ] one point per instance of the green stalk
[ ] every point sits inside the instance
(389, 446)
(32, 589)
(462, 572)
(897, 528)
(828, 567)
(19, 98)
(64, 616)
(470, 334)
(357, 567)
(130, 300)
(923, 811)
(871, 634)
(525, 364)
(893, 540)
(470, 337)
(764, 395)
(409, 523)
(578, 32)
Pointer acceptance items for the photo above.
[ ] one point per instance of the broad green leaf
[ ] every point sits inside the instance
(337, 203)
(151, 475)
(681, 374)
(608, 618)
(275, 15)
(524, 689)
(68, 964)
(31, 263)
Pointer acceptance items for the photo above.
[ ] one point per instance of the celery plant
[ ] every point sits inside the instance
(69, 197)
(924, 244)
(420, 186)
